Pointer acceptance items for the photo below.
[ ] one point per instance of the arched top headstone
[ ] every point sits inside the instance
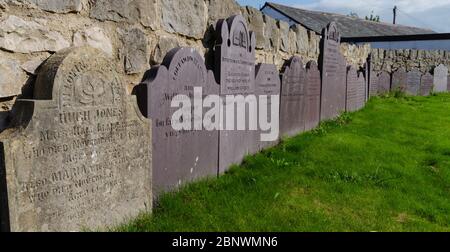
(183, 65)
(182, 71)
(235, 33)
(74, 78)
(426, 84)
(399, 80)
(312, 65)
(293, 64)
(331, 33)
(293, 77)
(384, 82)
(440, 78)
(413, 81)
(79, 155)
(235, 56)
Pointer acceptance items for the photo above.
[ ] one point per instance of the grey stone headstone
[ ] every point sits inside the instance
(399, 80)
(413, 82)
(292, 104)
(79, 154)
(180, 156)
(235, 72)
(312, 101)
(426, 84)
(355, 90)
(440, 79)
(333, 74)
(384, 83)
(267, 83)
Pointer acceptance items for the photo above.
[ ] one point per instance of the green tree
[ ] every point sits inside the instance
(373, 18)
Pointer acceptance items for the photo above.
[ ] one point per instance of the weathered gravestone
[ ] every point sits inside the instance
(355, 90)
(362, 91)
(440, 78)
(399, 80)
(426, 84)
(373, 83)
(267, 84)
(312, 100)
(292, 104)
(384, 83)
(366, 81)
(235, 72)
(413, 82)
(180, 155)
(333, 74)
(448, 83)
(79, 154)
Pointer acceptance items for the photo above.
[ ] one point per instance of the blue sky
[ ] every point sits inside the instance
(431, 14)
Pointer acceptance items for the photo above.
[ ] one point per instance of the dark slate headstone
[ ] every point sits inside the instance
(448, 83)
(292, 104)
(333, 74)
(268, 83)
(366, 81)
(413, 82)
(426, 84)
(78, 155)
(355, 90)
(180, 156)
(440, 78)
(312, 101)
(373, 84)
(235, 72)
(399, 80)
(362, 90)
(384, 83)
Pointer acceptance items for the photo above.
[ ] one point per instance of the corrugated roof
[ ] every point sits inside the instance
(348, 26)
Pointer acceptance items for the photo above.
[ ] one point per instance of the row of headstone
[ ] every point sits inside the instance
(412, 82)
(81, 155)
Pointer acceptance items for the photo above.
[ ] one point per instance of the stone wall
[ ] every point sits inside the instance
(136, 34)
(391, 60)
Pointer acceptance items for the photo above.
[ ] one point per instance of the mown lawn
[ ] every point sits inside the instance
(385, 168)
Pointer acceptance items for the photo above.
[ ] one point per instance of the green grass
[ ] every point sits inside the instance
(385, 168)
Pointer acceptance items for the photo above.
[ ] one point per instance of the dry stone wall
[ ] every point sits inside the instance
(135, 34)
(392, 60)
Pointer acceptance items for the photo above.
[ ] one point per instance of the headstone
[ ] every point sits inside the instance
(384, 83)
(413, 82)
(312, 101)
(362, 89)
(440, 79)
(267, 83)
(79, 154)
(292, 103)
(366, 81)
(235, 72)
(426, 84)
(448, 83)
(333, 74)
(355, 90)
(180, 156)
(399, 80)
(373, 84)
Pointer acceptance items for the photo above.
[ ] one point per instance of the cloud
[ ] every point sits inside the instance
(432, 14)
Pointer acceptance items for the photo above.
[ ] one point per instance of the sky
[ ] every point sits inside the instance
(431, 14)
